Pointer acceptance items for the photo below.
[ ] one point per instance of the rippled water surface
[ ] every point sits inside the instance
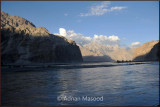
(128, 85)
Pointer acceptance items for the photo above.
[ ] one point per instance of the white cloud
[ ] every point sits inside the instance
(97, 10)
(113, 38)
(106, 40)
(117, 8)
(62, 31)
(101, 9)
(78, 37)
(135, 44)
(82, 40)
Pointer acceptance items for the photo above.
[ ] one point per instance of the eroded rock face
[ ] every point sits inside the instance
(22, 42)
(89, 55)
(98, 52)
(147, 52)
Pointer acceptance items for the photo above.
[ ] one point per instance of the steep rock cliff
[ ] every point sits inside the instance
(22, 42)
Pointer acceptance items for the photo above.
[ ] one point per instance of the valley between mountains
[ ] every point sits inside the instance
(23, 43)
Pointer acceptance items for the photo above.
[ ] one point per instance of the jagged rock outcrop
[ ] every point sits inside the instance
(147, 52)
(98, 52)
(91, 56)
(22, 42)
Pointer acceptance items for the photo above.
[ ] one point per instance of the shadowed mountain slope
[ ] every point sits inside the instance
(22, 42)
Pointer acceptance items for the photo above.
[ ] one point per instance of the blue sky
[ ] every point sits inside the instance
(131, 21)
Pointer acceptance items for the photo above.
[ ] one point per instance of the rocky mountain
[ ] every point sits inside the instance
(147, 52)
(98, 52)
(22, 42)
(89, 55)
(122, 54)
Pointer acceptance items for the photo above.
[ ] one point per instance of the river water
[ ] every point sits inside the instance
(128, 85)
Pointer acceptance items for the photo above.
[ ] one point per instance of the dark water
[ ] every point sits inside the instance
(129, 85)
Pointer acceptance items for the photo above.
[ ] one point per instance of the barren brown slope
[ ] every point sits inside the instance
(147, 52)
(111, 53)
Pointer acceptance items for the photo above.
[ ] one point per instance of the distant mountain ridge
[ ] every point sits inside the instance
(22, 42)
(98, 52)
(109, 52)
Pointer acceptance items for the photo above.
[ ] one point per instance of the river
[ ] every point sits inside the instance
(128, 85)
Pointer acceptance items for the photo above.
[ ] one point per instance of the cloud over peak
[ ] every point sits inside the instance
(62, 31)
(82, 40)
(135, 44)
(101, 9)
(106, 40)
